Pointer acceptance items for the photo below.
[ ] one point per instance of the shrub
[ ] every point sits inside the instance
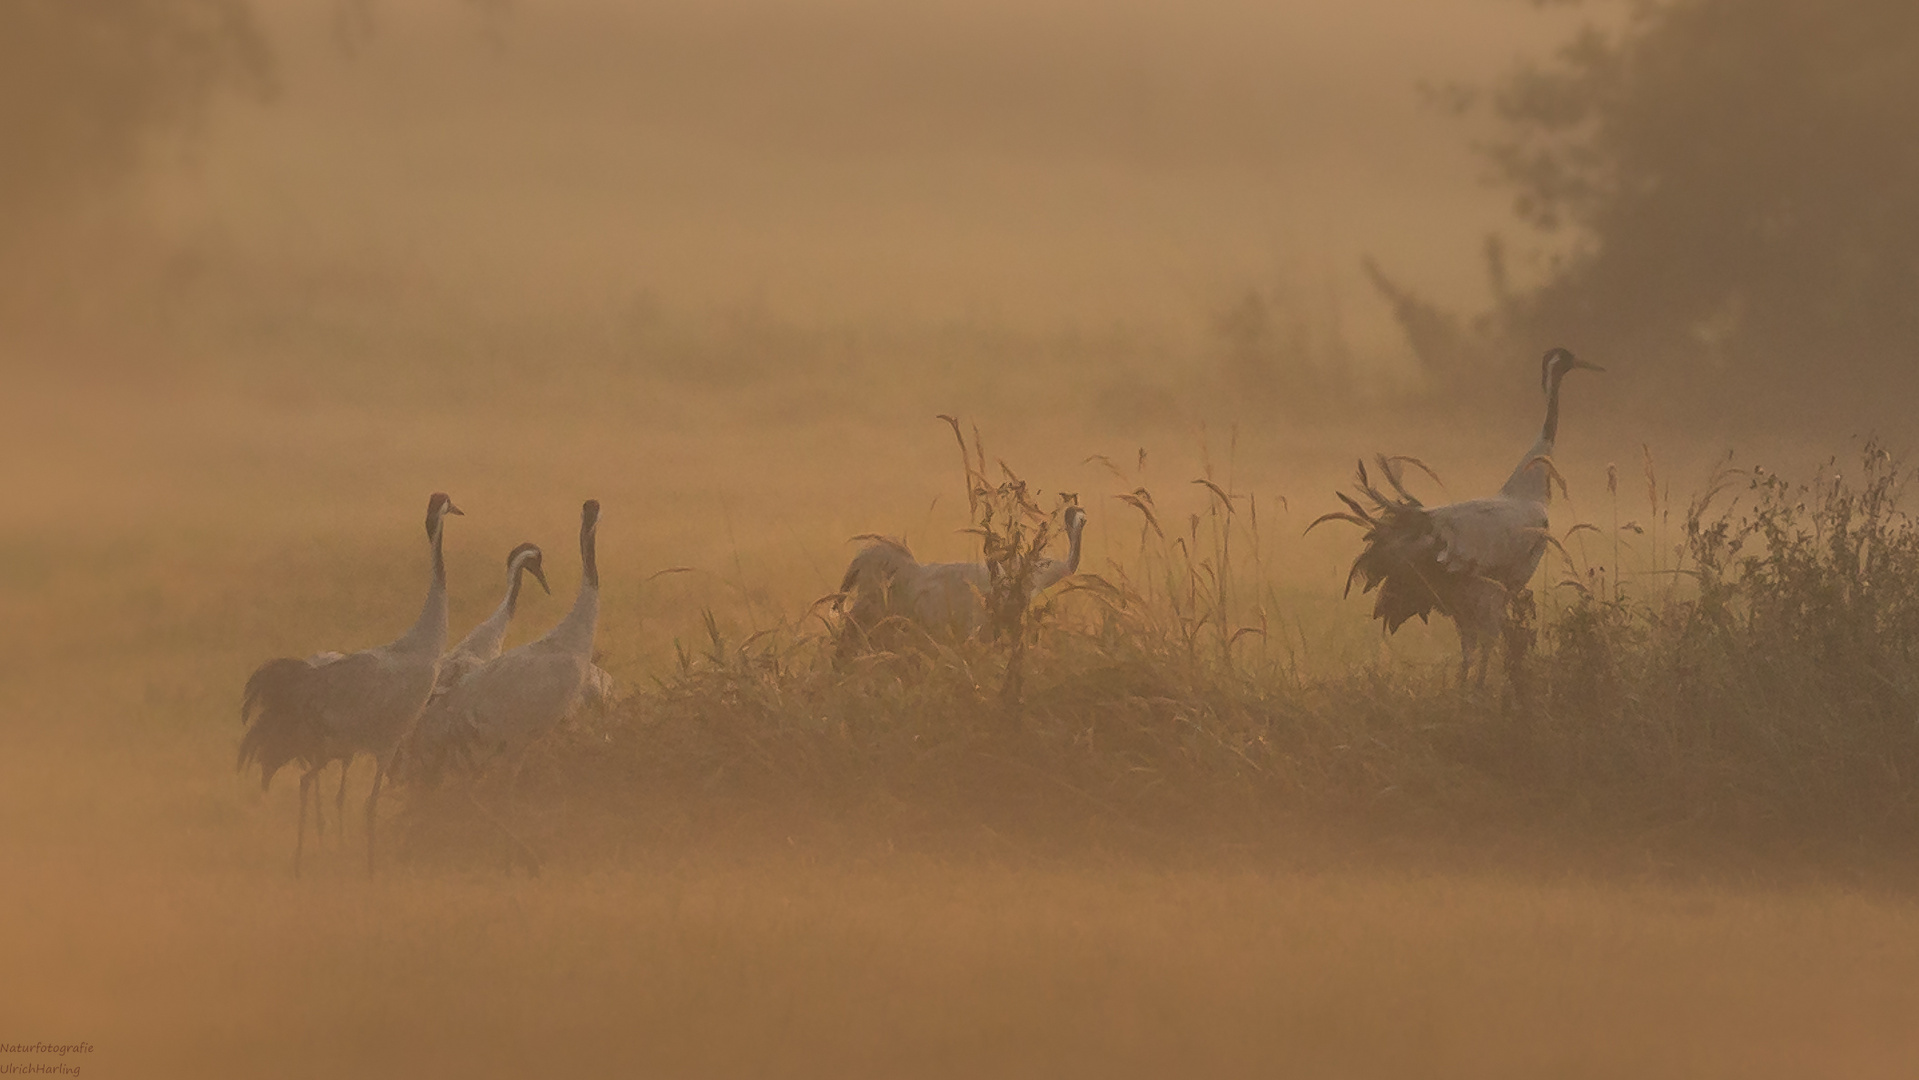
(1758, 689)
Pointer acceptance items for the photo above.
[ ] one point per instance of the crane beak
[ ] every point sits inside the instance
(452, 509)
(1583, 364)
(539, 575)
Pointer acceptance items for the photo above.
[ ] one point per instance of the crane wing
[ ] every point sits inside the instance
(370, 697)
(512, 699)
(454, 668)
(311, 710)
(950, 597)
(1499, 539)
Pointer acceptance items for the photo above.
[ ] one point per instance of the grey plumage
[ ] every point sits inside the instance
(480, 644)
(884, 583)
(600, 690)
(885, 590)
(526, 691)
(483, 642)
(307, 713)
(322, 659)
(1466, 560)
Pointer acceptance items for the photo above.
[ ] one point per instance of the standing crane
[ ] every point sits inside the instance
(526, 691)
(300, 711)
(1467, 560)
(481, 644)
(943, 599)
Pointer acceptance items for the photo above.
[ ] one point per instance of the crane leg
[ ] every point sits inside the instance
(1468, 645)
(339, 801)
(300, 827)
(1479, 621)
(372, 812)
(1518, 630)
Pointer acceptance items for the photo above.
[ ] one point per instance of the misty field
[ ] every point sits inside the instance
(1312, 859)
(273, 271)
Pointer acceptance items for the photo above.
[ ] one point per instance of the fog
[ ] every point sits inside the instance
(273, 271)
(1034, 167)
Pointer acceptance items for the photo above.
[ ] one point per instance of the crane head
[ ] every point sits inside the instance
(1556, 363)
(1075, 520)
(589, 513)
(438, 507)
(529, 558)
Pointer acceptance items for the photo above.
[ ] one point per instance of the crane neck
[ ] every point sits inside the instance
(483, 641)
(429, 631)
(589, 560)
(515, 576)
(1051, 572)
(1530, 480)
(1549, 432)
(575, 632)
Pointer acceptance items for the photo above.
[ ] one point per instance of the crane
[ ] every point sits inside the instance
(886, 583)
(1467, 560)
(483, 642)
(312, 713)
(524, 692)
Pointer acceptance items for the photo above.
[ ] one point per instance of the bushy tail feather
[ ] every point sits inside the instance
(871, 574)
(883, 556)
(1401, 553)
(278, 712)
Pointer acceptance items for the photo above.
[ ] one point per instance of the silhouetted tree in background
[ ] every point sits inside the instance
(86, 85)
(1730, 189)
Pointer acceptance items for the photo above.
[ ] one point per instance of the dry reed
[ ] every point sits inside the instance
(1748, 680)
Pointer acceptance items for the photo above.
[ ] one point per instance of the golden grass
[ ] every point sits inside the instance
(167, 544)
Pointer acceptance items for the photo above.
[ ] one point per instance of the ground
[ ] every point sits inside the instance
(165, 544)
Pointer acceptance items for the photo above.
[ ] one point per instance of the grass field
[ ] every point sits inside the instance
(167, 537)
(720, 266)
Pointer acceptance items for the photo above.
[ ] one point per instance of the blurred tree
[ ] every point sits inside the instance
(86, 85)
(1724, 191)
(1279, 353)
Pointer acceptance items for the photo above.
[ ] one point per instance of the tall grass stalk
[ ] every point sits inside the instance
(1758, 683)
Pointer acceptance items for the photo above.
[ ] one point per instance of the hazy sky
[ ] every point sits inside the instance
(1036, 164)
